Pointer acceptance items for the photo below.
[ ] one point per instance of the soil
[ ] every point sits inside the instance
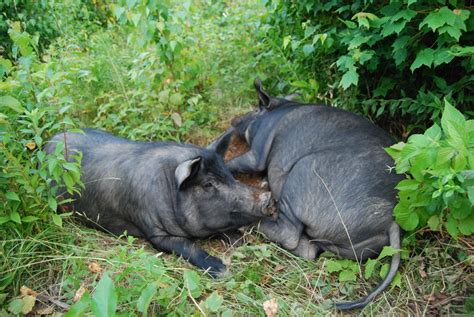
(238, 146)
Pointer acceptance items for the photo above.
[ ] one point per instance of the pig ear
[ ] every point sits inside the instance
(221, 144)
(264, 99)
(186, 170)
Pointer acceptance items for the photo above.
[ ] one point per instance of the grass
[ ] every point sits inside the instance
(115, 86)
(436, 279)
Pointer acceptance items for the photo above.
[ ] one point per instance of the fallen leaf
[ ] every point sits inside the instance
(24, 291)
(279, 267)
(265, 279)
(270, 307)
(48, 310)
(31, 145)
(421, 268)
(78, 295)
(94, 267)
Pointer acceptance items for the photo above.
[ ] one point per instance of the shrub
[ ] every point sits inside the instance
(396, 59)
(440, 188)
(25, 123)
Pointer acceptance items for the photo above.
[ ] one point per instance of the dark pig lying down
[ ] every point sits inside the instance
(166, 193)
(328, 170)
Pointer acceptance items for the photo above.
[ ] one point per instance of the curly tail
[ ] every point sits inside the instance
(394, 236)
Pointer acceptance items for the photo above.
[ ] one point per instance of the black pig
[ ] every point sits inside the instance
(164, 192)
(331, 176)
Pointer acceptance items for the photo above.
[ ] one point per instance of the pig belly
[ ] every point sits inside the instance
(333, 196)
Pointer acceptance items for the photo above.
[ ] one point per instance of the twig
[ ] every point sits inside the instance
(47, 298)
(194, 301)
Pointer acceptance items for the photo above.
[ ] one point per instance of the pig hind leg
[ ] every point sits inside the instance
(365, 249)
(306, 248)
(118, 226)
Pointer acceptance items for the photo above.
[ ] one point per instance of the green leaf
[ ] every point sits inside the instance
(349, 78)
(15, 217)
(214, 302)
(406, 15)
(12, 103)
(333, 266)
(452, 119)
(3, 296)
(433, 222)
(12, 196)
(442, 56)
(434, 133)
(408, 185)
(384, 270)
(176, 99)
(452, 227)
(460, 209)
(393, 27)
(454, 32)
(145, 298)
(308, 49)
(470, 194)
(387, 251)
(466, 227)
(104, 300)
(79, 309)
(437, 18)
(193, 282)
(28, 219)
(407, 219)
(347, 275)
(57, 220)
(399, 52)
(118, 11)
(52, 203)
(424, 57)
(4, 219)
(68, 181)
(369, 268)
(15, 306)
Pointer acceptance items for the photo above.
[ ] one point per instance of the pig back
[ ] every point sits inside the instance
(127, 180)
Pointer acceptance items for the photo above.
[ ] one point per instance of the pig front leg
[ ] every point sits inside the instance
(285, 230)
(190, 252)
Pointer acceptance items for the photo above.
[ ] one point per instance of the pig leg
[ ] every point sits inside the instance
(285, 230)
(306, 248)
(190, 252)
(248, 162)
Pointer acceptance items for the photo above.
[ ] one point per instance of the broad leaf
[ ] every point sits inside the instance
(104, 299)
(146, 297)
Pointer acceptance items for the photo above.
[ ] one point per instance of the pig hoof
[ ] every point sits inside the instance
(216, 268)
(223, 274)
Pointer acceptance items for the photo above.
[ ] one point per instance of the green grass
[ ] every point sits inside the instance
(111, 83)
(436, 279)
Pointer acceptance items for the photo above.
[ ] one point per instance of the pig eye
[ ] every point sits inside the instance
(207, 185)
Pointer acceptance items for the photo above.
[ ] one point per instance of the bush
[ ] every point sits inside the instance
(440, 190)
(384, 60)
(63, 17)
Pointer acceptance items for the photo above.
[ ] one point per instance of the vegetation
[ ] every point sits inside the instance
(179, 71)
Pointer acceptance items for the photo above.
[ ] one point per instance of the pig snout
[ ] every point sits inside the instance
(267, 204)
